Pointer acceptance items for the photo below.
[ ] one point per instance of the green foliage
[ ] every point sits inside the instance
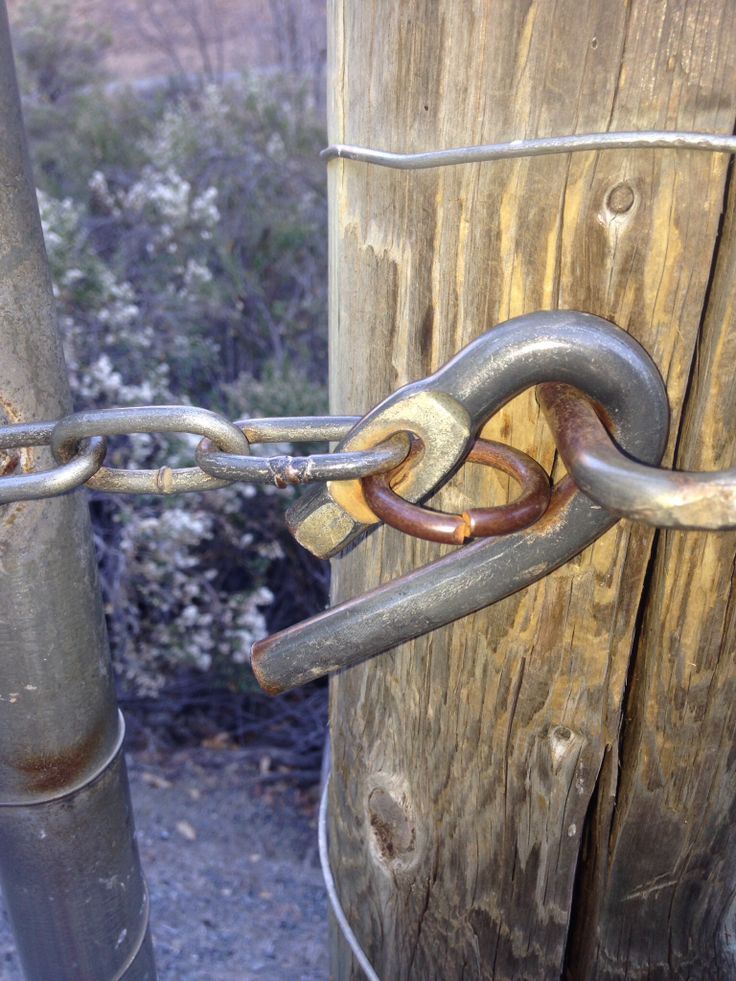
(54, 59)
(187, 243)
(279, 391)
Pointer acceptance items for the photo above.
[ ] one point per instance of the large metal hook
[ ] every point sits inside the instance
(574, 348)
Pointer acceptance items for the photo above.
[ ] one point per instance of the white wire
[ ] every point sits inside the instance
(324, 861)
(571, 143)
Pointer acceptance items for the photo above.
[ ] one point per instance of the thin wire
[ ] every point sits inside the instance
(645, 139)
(324, 861)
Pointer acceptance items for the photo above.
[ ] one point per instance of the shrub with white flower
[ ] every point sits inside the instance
(186, 237)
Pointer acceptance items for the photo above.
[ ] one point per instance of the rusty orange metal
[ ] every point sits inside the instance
(454, 529)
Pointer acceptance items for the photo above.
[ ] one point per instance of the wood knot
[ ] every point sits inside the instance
(620, 199)
(393, 831)
(564, 746)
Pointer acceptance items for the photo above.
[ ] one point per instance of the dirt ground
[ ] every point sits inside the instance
(232, 866)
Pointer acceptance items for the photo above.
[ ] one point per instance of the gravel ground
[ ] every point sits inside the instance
(231, 860)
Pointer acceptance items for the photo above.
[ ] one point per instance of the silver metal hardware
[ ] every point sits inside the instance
(148, 419)
(576, 348)
(327, 520)
(600, 359)
(560, 351)
(285, 470)
(445, 411)
(71, 437)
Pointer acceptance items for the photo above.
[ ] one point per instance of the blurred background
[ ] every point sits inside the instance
(175, 147)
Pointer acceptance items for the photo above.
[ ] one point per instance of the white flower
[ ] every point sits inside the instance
(101, 190)
(189, 615)
(276, 148)
(204, 208)
(167, 192)
(196, 274)
(60, 221)
(72, 276)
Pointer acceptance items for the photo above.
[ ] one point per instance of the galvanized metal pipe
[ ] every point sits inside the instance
(69, 867)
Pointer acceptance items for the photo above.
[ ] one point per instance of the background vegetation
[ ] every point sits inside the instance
(185, 226)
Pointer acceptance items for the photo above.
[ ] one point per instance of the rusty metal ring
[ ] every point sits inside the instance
(454, 529)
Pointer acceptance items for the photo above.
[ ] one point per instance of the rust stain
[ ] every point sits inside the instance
(9, 459)
(562, 495)
(9, 410)
(9, 462)
(48, 773)
(15, 510)
(12, 461)
(259, 651)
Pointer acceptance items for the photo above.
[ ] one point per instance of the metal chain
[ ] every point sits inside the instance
(78, 443)
(86, 461)
(285, 470)
(663, 498)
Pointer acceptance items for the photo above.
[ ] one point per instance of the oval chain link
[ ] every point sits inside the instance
(285, 470)
(148, 419)
(85, 462)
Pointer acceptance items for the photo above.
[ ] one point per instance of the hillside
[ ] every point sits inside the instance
(152, 39)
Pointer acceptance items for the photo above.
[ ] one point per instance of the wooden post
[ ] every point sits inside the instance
(547, 788)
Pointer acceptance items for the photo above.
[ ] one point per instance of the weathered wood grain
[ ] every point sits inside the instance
(662, 894)
(471, 766)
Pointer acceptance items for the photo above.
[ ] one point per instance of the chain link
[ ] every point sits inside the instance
(85, 461)
(285, 470)
(148, 419)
